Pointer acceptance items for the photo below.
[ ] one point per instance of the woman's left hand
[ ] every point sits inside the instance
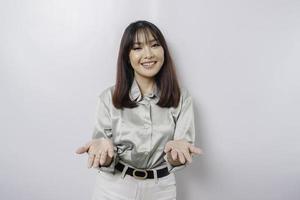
(180, 151)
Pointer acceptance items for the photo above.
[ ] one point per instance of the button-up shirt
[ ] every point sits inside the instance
(140, 134)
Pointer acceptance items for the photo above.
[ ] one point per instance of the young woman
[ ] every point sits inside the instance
(144, 123)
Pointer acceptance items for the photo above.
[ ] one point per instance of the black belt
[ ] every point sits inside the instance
(141, 173)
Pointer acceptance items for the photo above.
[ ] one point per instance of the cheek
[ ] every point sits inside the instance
(162, 57)
(160, 54)
(134, 58)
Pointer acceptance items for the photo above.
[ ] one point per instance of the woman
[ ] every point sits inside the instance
(144, 124)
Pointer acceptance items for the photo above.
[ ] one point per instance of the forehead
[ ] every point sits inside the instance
(144, 36)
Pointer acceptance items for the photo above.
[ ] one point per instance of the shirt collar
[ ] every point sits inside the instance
(135, 93)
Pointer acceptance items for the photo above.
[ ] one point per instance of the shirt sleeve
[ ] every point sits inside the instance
(103, 126)
(185, 127)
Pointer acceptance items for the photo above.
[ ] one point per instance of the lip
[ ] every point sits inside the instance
(148, 65)
(152, 61)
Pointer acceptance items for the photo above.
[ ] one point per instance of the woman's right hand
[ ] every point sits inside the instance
(101, 152)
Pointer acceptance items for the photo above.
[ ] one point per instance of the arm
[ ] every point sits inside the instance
(179, 150)
(103, 129)
(101, 149)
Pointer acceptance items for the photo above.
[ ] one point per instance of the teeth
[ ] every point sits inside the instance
(148, 63)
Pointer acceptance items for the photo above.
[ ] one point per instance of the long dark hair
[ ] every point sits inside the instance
(165, 79)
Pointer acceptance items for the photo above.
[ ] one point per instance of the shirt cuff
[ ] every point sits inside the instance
(172, 168)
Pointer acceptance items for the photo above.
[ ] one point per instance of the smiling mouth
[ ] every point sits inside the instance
(148, 64)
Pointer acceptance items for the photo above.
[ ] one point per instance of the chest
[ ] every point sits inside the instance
(144, 121)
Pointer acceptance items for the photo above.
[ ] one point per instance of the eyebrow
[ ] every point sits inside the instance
(138, 43)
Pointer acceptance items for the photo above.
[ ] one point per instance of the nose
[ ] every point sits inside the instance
(148, 52)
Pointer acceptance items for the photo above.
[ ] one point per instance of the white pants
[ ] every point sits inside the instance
(113, 187)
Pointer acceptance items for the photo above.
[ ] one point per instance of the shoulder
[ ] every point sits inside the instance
(185, 94)
(185, 102)
(185, 99)
(106, 94)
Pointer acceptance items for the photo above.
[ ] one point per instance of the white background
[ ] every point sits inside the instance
(238, 58)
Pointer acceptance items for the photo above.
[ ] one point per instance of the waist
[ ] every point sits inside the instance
(138, 173)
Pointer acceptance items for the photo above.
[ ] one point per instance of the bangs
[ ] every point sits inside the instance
(146, 33)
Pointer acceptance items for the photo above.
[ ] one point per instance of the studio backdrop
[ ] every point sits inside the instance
(238, 59)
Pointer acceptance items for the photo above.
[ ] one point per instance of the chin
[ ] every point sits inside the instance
(150, 74)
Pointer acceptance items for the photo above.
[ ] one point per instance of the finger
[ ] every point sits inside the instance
(187, 156)
(103, 157)
(195, 150)
(90, 160)
(84, 148)
(81, 150)
(87, 145)
(181, 157)
(174, 154)
(167, 149)
(96, 161)
(111, 152)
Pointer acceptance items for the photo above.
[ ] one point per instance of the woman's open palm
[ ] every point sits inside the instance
(180, 151)
(101, 152)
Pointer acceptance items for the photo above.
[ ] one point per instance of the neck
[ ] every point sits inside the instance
(145, 84)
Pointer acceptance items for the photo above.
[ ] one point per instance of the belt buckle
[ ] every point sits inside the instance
(140, 177)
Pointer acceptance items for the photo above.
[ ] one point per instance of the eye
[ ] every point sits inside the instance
(136, 48)
(155, 45)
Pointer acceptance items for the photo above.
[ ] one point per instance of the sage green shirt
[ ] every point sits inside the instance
(139, 134)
